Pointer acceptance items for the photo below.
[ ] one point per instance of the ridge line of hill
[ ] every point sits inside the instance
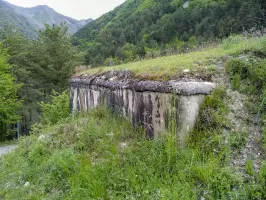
(30, 19)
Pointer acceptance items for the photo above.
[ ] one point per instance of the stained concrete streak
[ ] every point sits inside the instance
(154, 105)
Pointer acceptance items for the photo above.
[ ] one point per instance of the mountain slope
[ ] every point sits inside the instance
(9, 16)
(35, 18)
(139, 27)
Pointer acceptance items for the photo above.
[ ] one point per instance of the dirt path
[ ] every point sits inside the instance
(7, 149)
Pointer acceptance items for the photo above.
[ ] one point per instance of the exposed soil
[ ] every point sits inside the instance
(244, 122)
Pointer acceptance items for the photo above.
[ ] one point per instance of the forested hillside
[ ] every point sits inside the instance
(151, 27)
(39, 67)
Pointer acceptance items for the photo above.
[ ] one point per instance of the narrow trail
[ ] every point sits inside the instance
(7, 149)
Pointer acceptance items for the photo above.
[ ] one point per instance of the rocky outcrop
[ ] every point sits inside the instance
(154, 105)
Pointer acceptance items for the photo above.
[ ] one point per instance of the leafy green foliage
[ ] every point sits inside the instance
(237, 67)
(9, 103)
(153, 24)
(56, 110)
(262, 181)
(248, 74)
(236, 82)
(100, 155)
(55, 58)
(42, 65)
(207, 135)
(249, 168)
(251, 72)
(213, 111)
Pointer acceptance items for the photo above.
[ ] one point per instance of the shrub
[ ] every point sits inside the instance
(236, 67)
(57, 110)
(213, 111)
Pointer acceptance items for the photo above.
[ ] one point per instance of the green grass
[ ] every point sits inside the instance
(202, 63)
(83, 157)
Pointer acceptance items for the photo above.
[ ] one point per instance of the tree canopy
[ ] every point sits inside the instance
(42, 65)
(9, 103)
(158, 25)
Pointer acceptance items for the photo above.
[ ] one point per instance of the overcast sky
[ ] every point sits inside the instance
(77, 9)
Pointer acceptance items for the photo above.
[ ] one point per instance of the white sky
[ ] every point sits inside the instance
(77, 9)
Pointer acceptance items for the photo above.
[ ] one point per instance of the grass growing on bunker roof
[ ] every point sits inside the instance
(201, 64)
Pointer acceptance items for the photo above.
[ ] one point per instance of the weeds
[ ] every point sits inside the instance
(82, 159)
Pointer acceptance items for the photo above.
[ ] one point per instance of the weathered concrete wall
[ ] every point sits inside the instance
(151, 104)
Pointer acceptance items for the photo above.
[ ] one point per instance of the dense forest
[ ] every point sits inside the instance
(30, 71)
(9, 103)
(141, 28)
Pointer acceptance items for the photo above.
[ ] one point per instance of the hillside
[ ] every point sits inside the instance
(9, 16)
(30, 20)
(99, 155)
(141, 28)
(199, 64)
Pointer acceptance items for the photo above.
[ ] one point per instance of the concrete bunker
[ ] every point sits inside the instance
(151, 104)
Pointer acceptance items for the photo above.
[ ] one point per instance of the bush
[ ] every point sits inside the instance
(57, 110)
(236, 66)
(213, 111)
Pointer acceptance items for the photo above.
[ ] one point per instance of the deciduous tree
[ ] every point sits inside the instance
(9, 103)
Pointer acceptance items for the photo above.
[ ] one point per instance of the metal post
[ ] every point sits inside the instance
(18, 130)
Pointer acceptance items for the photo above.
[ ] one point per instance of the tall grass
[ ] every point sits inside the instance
(101, 156)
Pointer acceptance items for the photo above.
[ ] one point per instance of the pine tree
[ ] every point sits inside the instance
(42, 65)
(55, 58)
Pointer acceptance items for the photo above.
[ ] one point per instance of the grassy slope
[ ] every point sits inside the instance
(200, 63)
(84, 158)
(101, 156)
